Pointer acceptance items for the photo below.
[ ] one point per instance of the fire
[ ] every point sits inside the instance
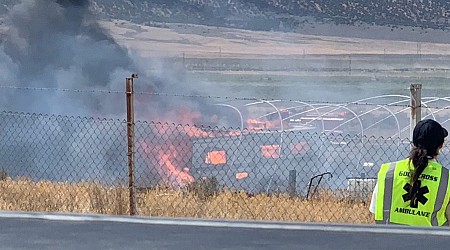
(270, 151)
(183, 116)
(167, 158)
(255, 125)
(193, 131)
(179, 115)
(168, 147)
(174, 175)
(258, 125)
(216, 157)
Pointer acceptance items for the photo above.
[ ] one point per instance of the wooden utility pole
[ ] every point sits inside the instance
(416, 101)
(130, 136)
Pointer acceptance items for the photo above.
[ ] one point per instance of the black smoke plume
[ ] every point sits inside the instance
(58, 44)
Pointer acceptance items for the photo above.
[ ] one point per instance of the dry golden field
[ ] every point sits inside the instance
(198, 41)
(44, 196)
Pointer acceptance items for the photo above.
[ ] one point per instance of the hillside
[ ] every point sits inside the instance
(281, 14)
(285, 15)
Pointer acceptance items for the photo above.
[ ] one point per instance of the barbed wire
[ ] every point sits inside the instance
(62, 117)
(228, 98)
(64, 90)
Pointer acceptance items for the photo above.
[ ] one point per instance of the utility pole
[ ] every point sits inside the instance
(419, 49)
(130, 136)
(350, 64)
(416, 101)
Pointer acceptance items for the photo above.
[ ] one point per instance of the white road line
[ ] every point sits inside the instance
(232, 224)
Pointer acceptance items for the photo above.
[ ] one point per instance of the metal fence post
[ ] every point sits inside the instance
(130, 136)
(292, 190)
(416, 102)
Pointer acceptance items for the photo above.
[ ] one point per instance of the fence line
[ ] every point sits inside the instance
(300, 173)
(79, 165)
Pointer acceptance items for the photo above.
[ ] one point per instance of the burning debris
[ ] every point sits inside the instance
(58, 44)
(216, 157)
(168, 158)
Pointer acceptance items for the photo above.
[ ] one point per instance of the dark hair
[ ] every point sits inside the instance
(419, 158)
(428, 136)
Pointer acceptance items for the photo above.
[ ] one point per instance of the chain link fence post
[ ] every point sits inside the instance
(130, 136)
(292, 184)
(416, 102)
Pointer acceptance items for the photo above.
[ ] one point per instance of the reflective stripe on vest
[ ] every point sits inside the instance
(384, 199)
(392, 180)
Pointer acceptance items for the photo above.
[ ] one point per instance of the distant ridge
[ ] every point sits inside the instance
(280, 15)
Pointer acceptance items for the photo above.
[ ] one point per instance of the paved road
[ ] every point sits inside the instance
(56, 231)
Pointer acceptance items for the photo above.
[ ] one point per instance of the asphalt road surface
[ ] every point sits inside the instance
(67, 231)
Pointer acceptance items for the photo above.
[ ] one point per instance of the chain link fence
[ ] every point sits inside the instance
(76, 164)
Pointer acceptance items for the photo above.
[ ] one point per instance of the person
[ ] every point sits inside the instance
(415, 191)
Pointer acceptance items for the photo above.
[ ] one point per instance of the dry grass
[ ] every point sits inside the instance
(204, 41)
(44, 196)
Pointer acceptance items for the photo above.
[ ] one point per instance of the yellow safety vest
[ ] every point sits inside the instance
(393, 198)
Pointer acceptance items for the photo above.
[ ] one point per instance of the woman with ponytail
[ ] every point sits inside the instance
(415, 191)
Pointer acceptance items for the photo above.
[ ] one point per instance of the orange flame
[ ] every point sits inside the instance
(255, 125)
(258, 125)
(270, 151)
(216, 157)
(172, 148)
(171, 174)
(193, 131)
